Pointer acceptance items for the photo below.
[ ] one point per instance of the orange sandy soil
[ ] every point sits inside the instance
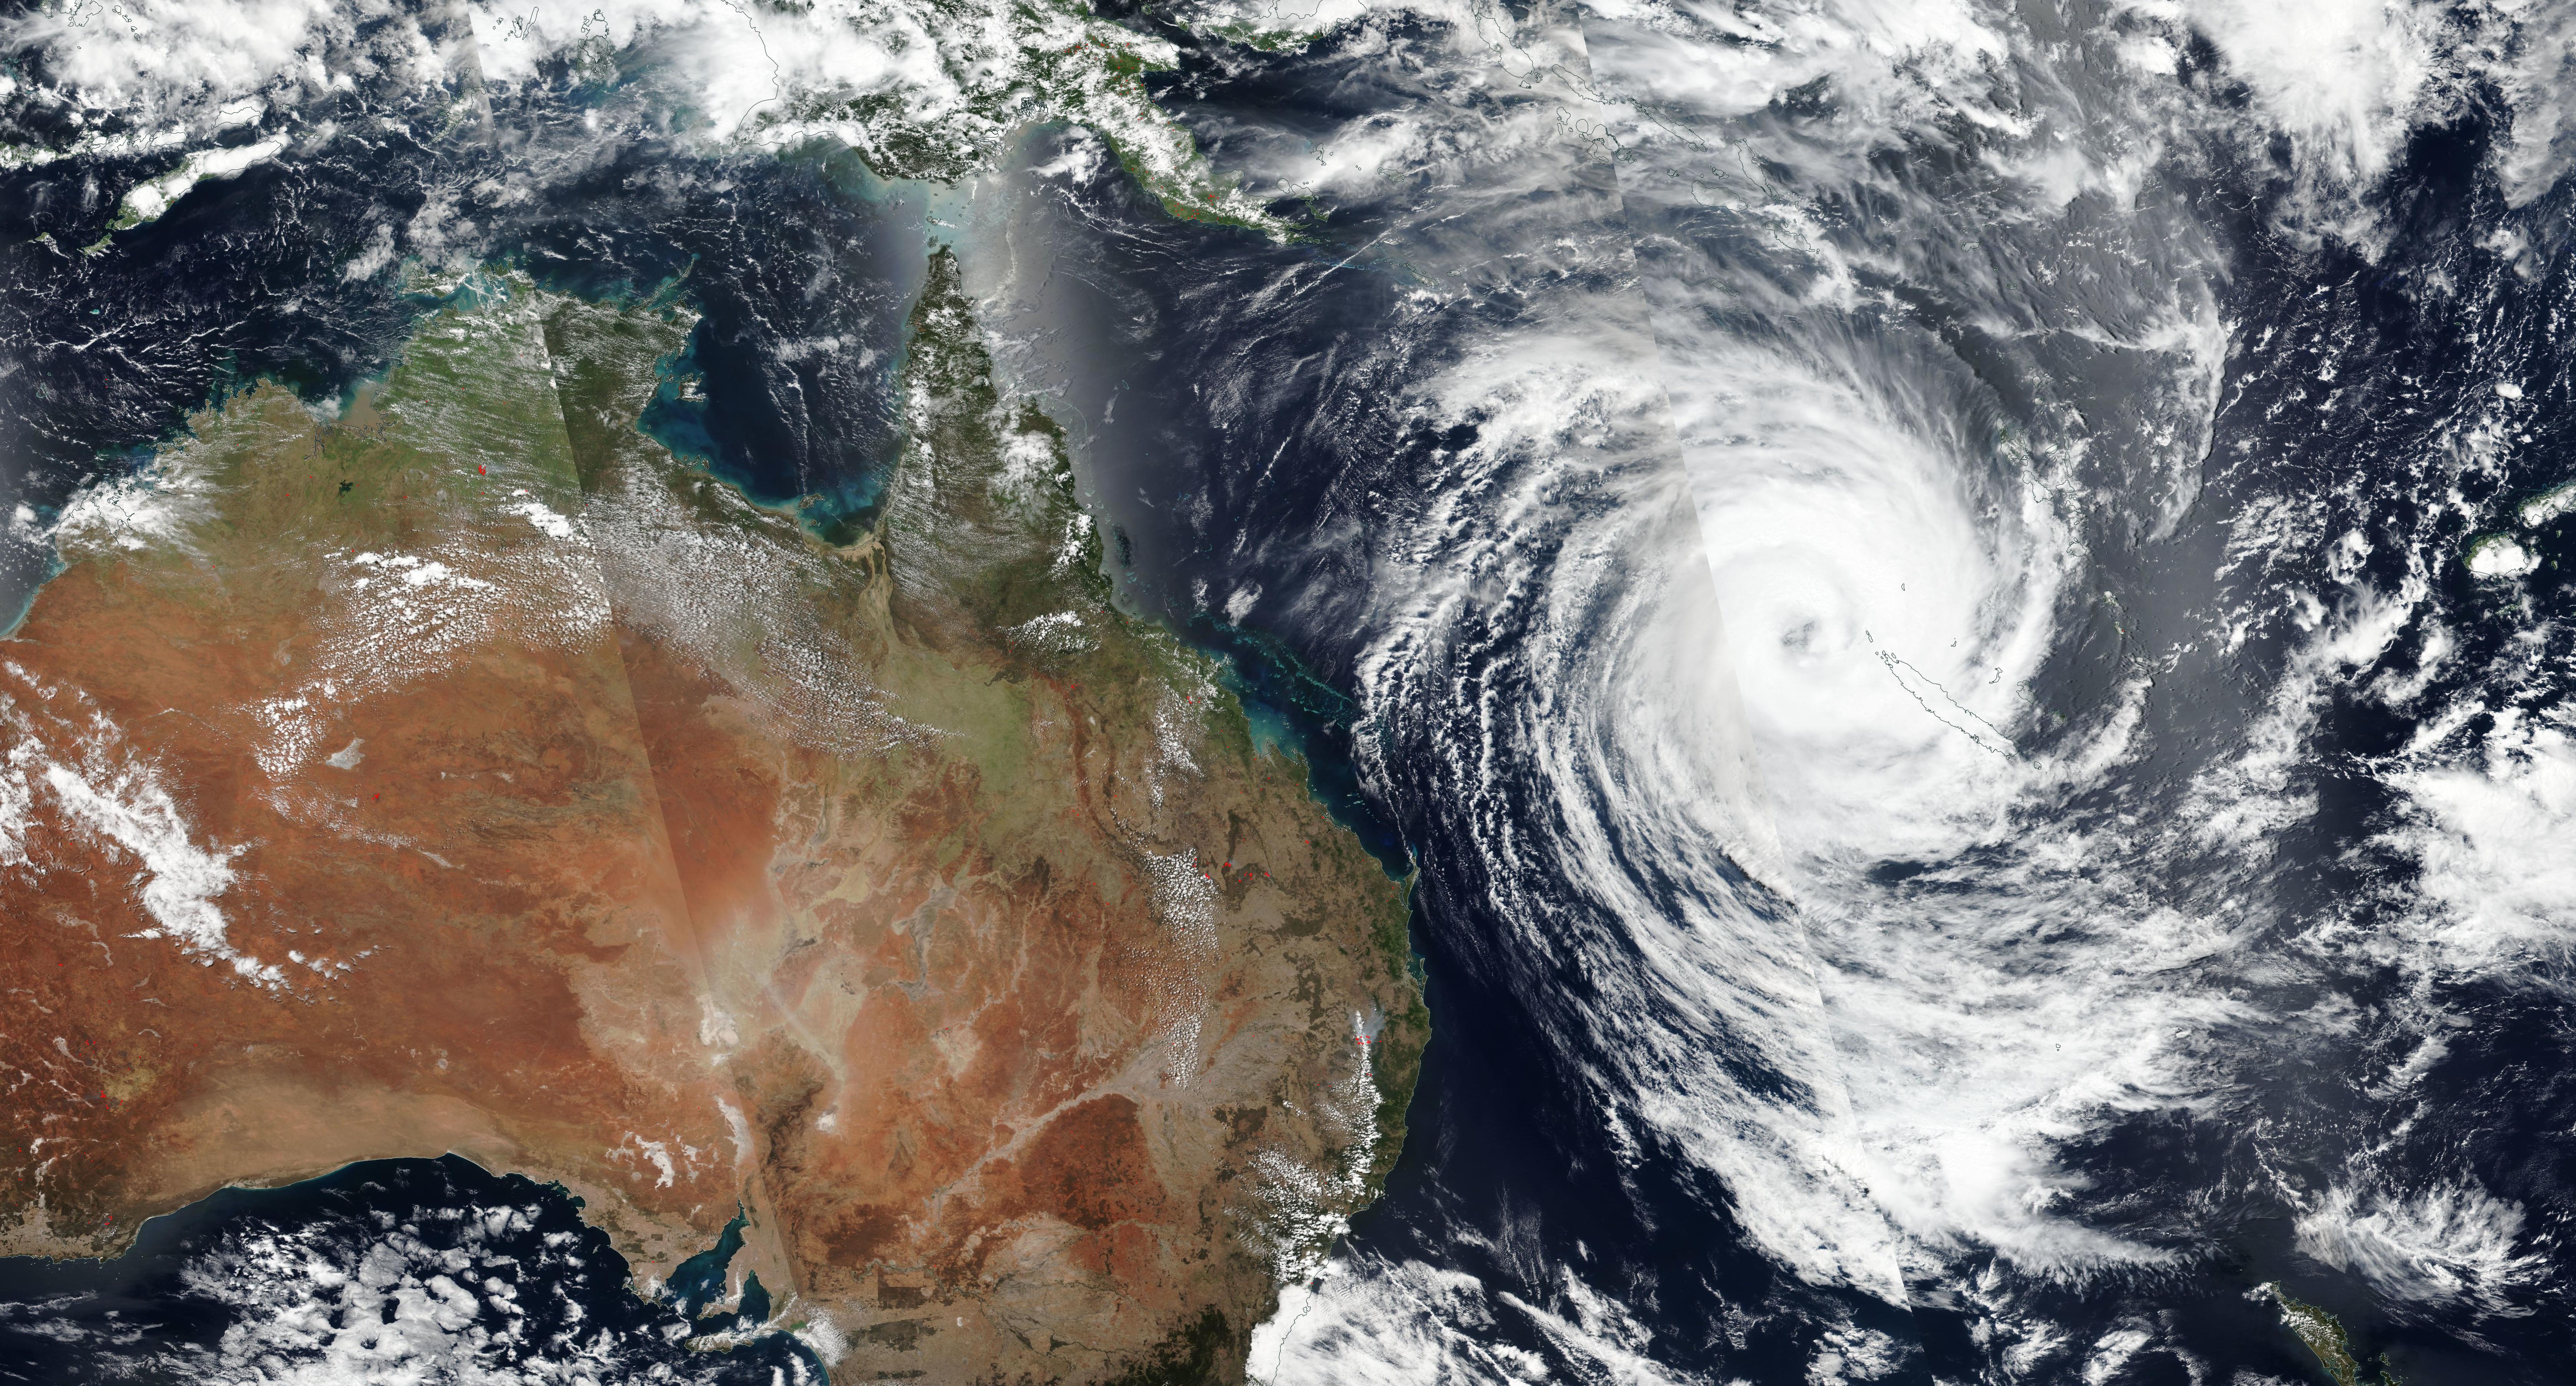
(680, 857)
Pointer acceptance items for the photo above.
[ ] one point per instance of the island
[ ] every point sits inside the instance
(2323, 1334)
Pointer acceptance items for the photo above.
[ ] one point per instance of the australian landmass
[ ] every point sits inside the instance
(459, 770)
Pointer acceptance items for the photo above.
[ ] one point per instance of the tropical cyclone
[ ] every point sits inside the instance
(463, 772)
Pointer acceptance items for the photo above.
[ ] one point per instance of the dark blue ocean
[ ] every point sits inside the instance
(422, 1270)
